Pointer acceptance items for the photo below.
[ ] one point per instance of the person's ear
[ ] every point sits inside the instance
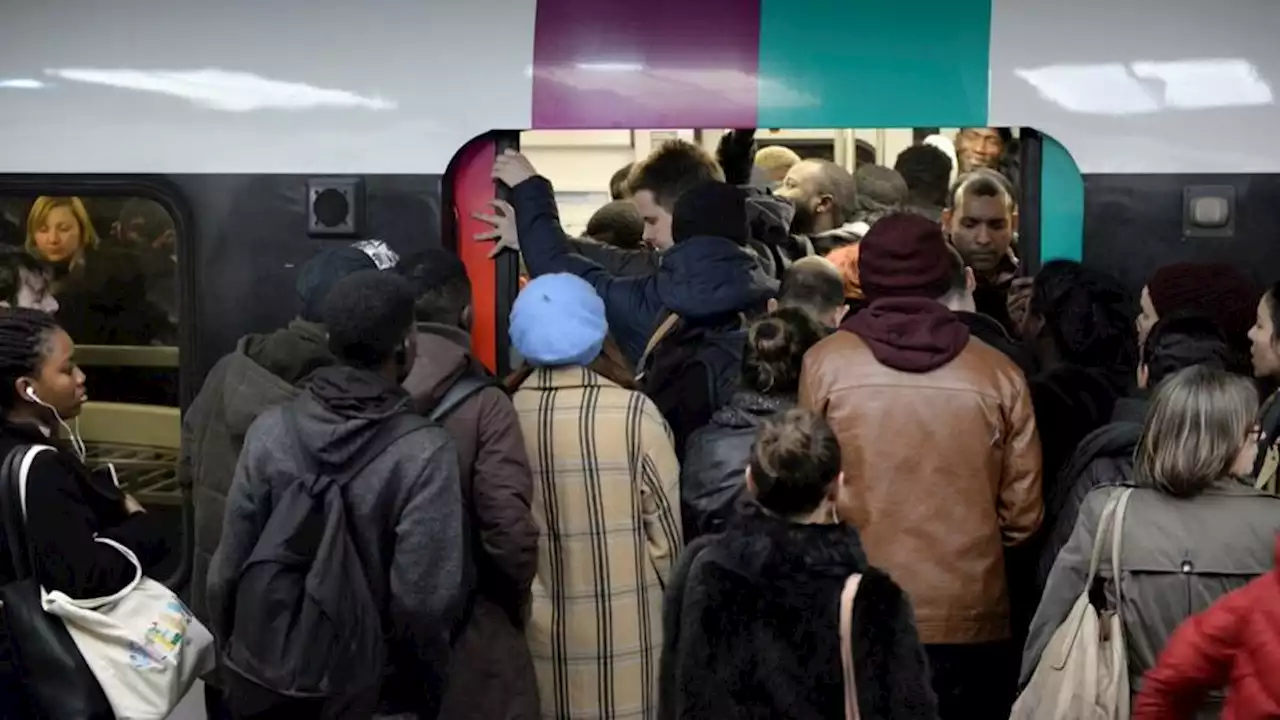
(25, 391)
(839, 315)
(970, 282)
(825, 204)
(468, 316)
(836, 492)
(1013, 221)
(946, 221)
(1144, 376)
(751, 484)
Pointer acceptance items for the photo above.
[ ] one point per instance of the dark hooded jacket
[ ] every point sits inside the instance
(406, 513)
(751, 629)
(768, 217)
(1103, 457)
(990, 331)
(262, 372)
(491, 672)
(700, 278)
(712, 478)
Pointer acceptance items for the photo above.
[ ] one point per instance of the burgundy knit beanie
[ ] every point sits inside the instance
(904, 255)
(1216, 290)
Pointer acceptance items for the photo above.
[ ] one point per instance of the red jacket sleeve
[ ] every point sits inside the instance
(1196, 660)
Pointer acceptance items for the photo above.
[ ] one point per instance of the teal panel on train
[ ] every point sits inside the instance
(870, 63)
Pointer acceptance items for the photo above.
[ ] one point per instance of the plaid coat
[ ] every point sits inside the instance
(607, 503)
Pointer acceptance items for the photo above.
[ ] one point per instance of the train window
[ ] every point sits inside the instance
(112, 270)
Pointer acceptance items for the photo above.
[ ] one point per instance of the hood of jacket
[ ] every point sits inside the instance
(444, 355)
(341, 411)
(848, 234)
(249, 388)
(769, 217)
(910, 334)
(706, 277)
(292, 352)
(1114, 440)
(766, 549)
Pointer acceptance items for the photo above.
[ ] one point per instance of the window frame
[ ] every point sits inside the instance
(149, 187)
(170, 197)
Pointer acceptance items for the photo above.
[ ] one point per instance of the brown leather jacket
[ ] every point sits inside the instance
(944, 469)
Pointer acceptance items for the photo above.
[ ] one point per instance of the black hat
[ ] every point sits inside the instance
(712, 209)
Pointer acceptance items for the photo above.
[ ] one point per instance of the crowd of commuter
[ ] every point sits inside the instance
(786, 441)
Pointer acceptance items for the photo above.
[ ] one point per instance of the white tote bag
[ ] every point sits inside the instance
(1083, 673)
(143, 645)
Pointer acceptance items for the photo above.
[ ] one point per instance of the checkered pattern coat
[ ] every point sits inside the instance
(607, 502)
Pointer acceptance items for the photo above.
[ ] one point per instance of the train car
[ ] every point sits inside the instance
(266, 130)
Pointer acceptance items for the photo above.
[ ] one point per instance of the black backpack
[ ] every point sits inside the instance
(306, 624)
(710, 355)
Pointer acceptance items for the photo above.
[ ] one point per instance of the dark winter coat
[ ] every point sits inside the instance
(491, 673)
(67, 507)
(752, 629)
(261, 373)
(1104, 457)
(406, 515)
(693, 371)
(712, 478)
(990, 331)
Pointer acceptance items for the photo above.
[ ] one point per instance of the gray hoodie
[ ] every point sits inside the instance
(406, 515)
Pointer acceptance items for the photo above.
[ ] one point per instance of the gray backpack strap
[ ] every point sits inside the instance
(459, 393)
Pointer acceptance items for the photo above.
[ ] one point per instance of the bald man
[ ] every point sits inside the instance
(813, 284)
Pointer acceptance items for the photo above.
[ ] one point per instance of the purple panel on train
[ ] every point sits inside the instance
(654, 64)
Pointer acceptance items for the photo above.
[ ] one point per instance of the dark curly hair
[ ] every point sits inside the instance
(776, 345)
(368, 315)
(1088, 316)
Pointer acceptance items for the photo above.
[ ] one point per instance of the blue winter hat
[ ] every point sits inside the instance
(558, 320)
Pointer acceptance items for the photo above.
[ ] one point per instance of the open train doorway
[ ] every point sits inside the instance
(585, 167)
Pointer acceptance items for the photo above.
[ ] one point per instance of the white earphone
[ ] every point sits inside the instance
(76, 441)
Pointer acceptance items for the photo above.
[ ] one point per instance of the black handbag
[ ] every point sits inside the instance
(58, 684)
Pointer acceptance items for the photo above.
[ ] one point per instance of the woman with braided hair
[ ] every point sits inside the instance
(67, 505)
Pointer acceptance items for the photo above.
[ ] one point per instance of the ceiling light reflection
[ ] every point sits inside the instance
(225, 90)
(1148, 87)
